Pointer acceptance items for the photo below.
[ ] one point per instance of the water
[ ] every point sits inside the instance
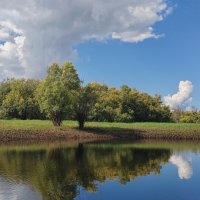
(141, 171)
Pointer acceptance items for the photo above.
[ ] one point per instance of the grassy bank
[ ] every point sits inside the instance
(37, 130)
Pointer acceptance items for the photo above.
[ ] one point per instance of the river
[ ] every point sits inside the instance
(98, 171)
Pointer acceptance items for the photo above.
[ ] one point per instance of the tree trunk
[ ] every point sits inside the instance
(81, 124)
(56, 122)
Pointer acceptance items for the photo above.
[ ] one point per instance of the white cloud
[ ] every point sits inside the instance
(33, 33)
(183, 98)
(184, 166)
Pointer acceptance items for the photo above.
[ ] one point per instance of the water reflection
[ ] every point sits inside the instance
(16, 191)
(184, 166)
(58, 173)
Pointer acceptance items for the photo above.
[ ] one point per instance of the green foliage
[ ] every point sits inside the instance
(5, 88)
(186, 116)
(58, 91)
(107, 106)
(87, 97)
(59, 96)
(128, 105)
(18, 99)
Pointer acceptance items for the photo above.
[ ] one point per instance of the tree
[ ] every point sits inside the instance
(5, 88)
(58, 92)
(107, 107)
(19, 99)
(86, 100)
(191, 116)
(128, 105)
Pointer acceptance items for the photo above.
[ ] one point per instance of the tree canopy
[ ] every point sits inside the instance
(57, 92)
(17, 99)
(62, 95)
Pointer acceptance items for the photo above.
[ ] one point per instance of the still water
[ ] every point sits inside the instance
(140, 171)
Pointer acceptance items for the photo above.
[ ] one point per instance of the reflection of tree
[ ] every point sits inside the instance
(56, 173)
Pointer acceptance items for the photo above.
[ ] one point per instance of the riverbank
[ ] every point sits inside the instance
(43, 131)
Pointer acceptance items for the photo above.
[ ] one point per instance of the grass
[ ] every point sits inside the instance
(37, 131)
(149, 130)
(34, 124)
(45, 124)
(43, 130)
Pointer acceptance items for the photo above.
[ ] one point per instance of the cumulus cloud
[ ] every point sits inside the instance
(184, 166)
(33, 33)
(183, 98)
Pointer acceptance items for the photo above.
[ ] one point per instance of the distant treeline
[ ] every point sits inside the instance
(62, 95)
(192, 116)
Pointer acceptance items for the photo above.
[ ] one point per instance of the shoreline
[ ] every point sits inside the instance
(26, 136)
(37, 131)
(40, 136)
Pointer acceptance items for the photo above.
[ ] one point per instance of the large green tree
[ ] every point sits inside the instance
(58, 92)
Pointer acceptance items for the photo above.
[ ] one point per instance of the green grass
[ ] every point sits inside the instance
(32, 124)
(150, 130)
(141, 125)
(141, 130)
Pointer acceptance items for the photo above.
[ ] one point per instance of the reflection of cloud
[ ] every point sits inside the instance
(13, 191)
(184, 166)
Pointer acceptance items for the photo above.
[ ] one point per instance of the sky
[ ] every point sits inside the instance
(150, 45)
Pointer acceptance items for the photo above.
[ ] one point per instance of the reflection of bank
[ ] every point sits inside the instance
(184, 166)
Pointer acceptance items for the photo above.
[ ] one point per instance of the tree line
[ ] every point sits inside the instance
(62, 95)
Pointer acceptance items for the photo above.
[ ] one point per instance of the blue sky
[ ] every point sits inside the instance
(153, 65)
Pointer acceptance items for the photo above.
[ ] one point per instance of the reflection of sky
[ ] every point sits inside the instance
(166, 186)
(185, 170)
(12, 191)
